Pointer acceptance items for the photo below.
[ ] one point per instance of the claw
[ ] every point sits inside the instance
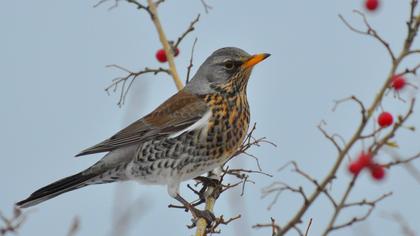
(206, 214)
(196, 213)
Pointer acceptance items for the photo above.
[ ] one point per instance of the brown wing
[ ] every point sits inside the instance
(175, 114)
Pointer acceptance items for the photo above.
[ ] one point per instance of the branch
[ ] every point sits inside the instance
(130, 77)
(278, 187)
(369, 32)
(328, 136)
(368, 115)
(401, 120)
(407, 164)
(275, 228)
(354, 220)
(165, 44)
(399, 161)
(206, 6)
(191, 62)
(189, 30)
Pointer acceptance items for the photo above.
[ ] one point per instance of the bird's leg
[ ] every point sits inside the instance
(196, 213)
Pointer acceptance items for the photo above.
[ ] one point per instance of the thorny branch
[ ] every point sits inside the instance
(379, 138)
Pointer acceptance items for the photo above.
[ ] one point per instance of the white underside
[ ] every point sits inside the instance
(166, 177)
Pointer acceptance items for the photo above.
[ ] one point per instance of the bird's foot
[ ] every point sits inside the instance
(196, 213)
(206, 214)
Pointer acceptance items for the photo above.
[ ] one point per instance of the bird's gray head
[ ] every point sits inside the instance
(226, 66)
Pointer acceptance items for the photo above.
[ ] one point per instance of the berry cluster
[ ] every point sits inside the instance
(161, 55)
(371, 5)
(385, 119)
(365, 160)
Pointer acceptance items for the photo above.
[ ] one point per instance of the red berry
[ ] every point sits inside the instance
(161, 55)
(371, 5)
(398, 82)
(385, 119)
(362, 161)
(355, 167)
(377, 171)
(365, 159)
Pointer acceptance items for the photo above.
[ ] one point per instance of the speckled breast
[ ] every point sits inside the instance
(228, 124)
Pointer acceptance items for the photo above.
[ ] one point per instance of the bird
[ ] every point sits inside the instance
(193, 132)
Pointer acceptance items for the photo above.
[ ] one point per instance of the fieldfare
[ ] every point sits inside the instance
(193, 132)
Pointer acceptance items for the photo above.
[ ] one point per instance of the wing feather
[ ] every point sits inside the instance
(174, 115)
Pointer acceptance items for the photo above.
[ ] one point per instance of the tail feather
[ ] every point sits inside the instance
(53, 190)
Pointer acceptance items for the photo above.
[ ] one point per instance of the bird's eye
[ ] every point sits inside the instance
(229, 64)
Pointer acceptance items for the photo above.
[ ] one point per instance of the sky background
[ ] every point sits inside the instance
(53, 55)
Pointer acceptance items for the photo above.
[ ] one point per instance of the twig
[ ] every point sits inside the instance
(329, 137)
(206, 6)
(407, 164)
(244, 178)
(399, 161)
(413, 70)
(309, 226)
(370, 32)
(278, 187)
(74, 227)
(275, 228)
(351, 98)
(191, 62)
(130, 77)
(189, 30)
(354, 220)
(220, 221)
(13, 224)
(401, 120)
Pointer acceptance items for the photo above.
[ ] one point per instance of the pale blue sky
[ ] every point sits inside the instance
(52, 69)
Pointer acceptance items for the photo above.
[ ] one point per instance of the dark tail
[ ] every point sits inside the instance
(59, 187)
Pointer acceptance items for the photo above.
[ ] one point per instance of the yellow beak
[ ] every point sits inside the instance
(255, 59)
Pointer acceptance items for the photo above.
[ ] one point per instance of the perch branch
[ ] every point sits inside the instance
(165, 44)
